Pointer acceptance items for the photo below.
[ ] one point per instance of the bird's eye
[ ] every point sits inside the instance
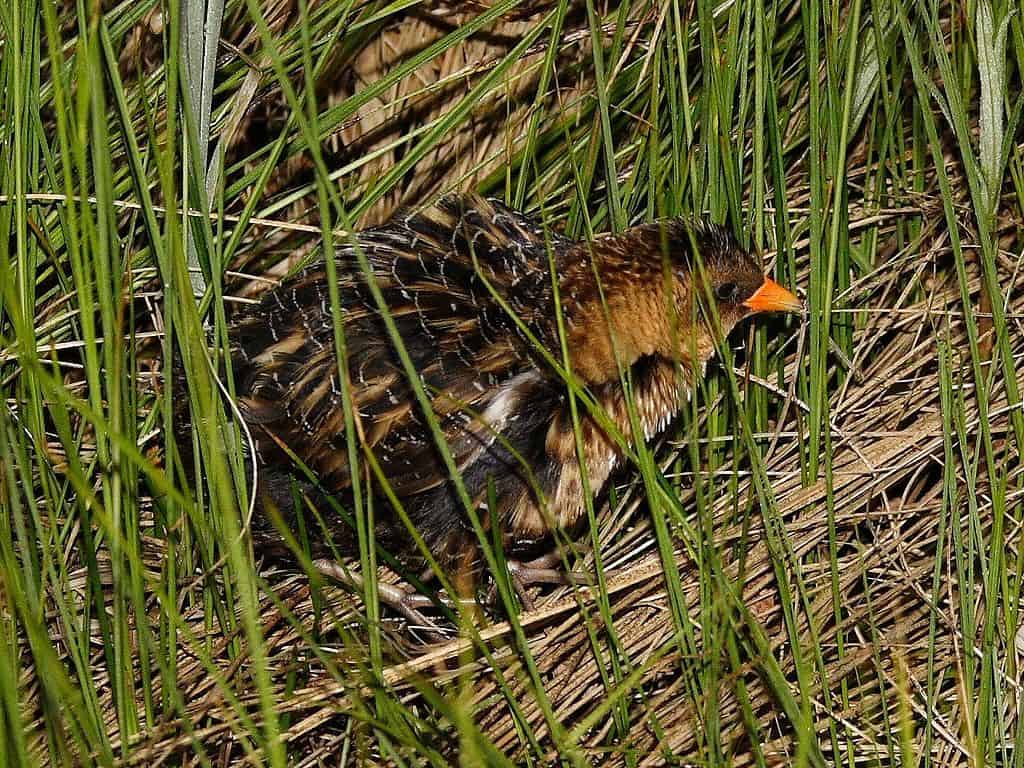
(727, 291)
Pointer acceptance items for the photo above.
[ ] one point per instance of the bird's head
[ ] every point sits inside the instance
(668, 288)
(713, 274)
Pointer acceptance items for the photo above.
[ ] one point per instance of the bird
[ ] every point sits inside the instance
(499, 319)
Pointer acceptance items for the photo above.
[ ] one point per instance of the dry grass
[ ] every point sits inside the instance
(862, 552)
(887, 496)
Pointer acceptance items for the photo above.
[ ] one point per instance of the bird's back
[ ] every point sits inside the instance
(467, 284)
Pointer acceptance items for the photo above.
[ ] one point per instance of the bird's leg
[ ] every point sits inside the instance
(409, 604)
(464, 581)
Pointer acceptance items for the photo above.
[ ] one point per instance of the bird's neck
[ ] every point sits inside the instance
(626, 310)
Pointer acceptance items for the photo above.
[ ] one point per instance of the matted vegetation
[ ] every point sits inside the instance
(819, 564)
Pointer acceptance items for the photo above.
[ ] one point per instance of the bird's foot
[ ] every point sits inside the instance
(408, 603)
(545, 569)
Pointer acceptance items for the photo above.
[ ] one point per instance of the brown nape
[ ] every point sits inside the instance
(635, 294)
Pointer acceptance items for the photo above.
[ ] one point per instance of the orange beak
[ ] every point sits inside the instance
(772, 297)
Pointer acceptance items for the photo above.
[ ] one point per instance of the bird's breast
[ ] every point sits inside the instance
(605, 437)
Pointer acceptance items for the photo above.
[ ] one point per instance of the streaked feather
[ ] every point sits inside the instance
(469, 286)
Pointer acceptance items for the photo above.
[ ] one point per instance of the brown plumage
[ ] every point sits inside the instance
(468, 284)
